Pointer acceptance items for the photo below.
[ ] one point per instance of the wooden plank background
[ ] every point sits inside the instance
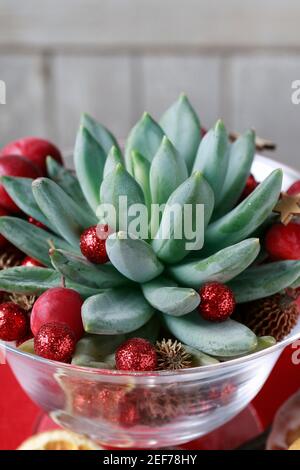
(116, 58)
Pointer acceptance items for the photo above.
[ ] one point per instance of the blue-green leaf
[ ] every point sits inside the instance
(226, 339)
(132, 257)
(115, 311)
(265, 280)
(219, 267)
(145, 138)
(64, 214)
(102, 135)
(164, 295)
(78, 269)
(246, 217)
(171, 243)
(181, 124)
(30, 239)
(240, 161)
(89, 160)
(20, 190)
(212, 158)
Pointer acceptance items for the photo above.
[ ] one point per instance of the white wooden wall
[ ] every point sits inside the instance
(115, 58)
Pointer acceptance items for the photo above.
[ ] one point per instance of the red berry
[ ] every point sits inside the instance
(92, 243)
(30, 262)
(35, 222)
(251, 184)
(60, 305)
(283, 242)
(294, 189)
(55, 341)
(3, 241)
(34, 149)
(136, 354)
(13, 322)
(217, 302)
(14, 165)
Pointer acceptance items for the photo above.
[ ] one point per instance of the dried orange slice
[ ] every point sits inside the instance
(295, 445)
(58, 440)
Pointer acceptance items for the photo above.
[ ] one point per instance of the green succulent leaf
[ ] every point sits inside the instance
(20, 190)
(30, 239)
(265, 280)
(246, 217)
(113, 159)
(164, 295)
(199, 358)
(212, 158)
(97, 351)
(145, 138)
(102, 135)
(80, 270)
(35, 281)
(168, 171)
(141, 171)
(181, 124)
(222, 266)
(116, 184)
(89, 159)
(132, 257)
(170, 242)
(69, 219)
(149, 330)
(240, 161)
(226, 339)
(115, 311)
(69, 183)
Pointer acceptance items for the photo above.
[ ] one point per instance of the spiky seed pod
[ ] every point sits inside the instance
(9, 259)
(156, 407)
(272, 316)
(24, 301)
(171, 355)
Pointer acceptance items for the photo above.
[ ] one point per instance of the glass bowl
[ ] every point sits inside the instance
(149, 410)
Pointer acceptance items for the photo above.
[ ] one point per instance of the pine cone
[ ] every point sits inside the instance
(272, 316)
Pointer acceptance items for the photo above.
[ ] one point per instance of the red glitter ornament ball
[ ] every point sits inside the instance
(55, 341)
(217, 302)
(136, 354)
(92, 243)
(30, 262)
(13, 322)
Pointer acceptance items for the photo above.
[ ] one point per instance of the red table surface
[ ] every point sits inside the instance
(18, 413)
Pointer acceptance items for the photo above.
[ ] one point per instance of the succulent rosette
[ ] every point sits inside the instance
(153, 281)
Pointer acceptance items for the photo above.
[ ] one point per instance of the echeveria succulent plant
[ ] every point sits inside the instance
(156, 278)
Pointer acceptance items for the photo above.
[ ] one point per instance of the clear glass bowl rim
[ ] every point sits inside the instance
(193, 373)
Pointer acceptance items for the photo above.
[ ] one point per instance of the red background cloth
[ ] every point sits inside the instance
(18, 415)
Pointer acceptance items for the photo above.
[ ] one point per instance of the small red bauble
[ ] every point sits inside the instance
(30, 262)
(129, 415)
(282, 242)
(251, 184)
(61, 305)
(294, 189)
(136, 354)
(35, 222)
(55, 341)
(217, 302)
(3, 241)
(34, 149)
(13, 322)
(92, 243)
(14, 165)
